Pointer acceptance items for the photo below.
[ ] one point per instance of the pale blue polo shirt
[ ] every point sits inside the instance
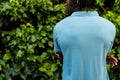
(84, 39)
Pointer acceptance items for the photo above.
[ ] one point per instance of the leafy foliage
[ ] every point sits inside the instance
(26, 38)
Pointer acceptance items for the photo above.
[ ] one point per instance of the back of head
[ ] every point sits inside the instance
(81, 4)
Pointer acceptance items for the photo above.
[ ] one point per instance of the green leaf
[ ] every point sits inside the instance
(20, 54)
(6, 56)
(33, 11)
(19, 34)
(108, 66)
(42, 69)
(21, 10)
(2, 63)
(23, 63)
(42, 57)
(33, 38)
(31, 49)
(5, 7)
(50, 43)
(41, 45)
(32, 58)
(1, 77)
(17, 68)
(43, 33)
(118, 56)
(0, 68)
(54, 67)
(49, 73)
(118, 49)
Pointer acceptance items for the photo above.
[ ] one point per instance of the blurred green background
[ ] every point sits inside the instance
(26, 38)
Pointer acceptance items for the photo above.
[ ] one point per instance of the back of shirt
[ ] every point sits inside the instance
(84, 38)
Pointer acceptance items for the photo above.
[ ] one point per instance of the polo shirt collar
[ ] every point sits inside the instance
(85, 13)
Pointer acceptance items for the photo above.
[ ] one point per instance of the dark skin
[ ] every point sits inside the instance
(110, 59)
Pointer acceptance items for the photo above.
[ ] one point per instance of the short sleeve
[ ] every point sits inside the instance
(112, 39)
(55, 40)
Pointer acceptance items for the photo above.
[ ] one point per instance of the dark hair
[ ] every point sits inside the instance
(83, 4)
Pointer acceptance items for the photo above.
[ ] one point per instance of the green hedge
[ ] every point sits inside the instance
(27, 41)
(26, 38)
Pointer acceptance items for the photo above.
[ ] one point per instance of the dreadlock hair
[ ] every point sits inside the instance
(83, 4)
